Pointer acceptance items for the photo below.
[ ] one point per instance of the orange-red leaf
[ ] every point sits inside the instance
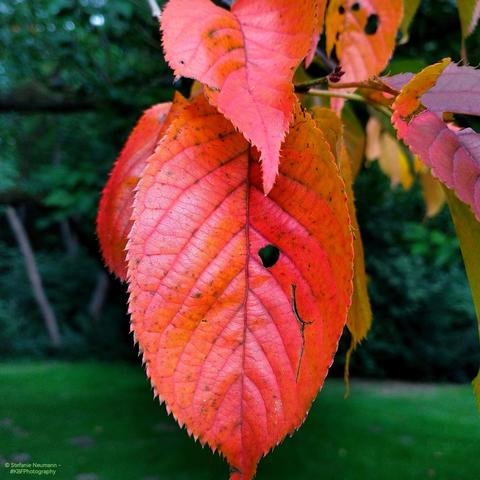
(115, 209)
(319, 22)
(363, 33)
(246, 58)
(222, 335)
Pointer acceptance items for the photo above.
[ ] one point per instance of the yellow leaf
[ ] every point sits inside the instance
(354, 138)
(408, 102)
(418, 165)
(394, 162)
(331, 126)
(476, 388)
(406, 176)
(360, 313)
(374, 130)
(433, 193)
(468, 233)
(196, 89)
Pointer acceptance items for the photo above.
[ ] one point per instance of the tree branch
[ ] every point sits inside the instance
(155, 9)
(34, 276)
(349, 96)
(304, 87)
(329, 93)
(99, 295)
(11, 103)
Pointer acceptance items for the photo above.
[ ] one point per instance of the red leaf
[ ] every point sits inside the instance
(454, 157)
(319, 22)
(452, 154)
(246, 58)
(222, 334)
(115, 209)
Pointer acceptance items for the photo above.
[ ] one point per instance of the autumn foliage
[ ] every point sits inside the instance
(231, 214)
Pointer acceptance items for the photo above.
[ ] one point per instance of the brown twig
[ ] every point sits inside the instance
(329, 93)
(305, 87)
(350, 96)
(372, 85)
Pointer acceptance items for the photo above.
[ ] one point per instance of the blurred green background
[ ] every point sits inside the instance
(74, 78)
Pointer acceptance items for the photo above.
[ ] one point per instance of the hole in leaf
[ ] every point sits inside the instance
(223, 4)
(269, 255)
(372, 24)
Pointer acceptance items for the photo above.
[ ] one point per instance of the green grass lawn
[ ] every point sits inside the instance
(99, 422)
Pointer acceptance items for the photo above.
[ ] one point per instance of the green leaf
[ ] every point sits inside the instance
(476, 388)
(468, 232)
(410, 8)
(354, 136)
(469, 11)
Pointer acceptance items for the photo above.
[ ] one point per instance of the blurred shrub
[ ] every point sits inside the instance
(69, 283)
(424, 321)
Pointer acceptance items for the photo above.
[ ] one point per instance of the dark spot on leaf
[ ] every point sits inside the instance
(372, 24)
(355, 7)
(269, 255)
(341, 9)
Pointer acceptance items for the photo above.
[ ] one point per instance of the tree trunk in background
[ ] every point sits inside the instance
(69, 239)
(34, 276)
(99, 295)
